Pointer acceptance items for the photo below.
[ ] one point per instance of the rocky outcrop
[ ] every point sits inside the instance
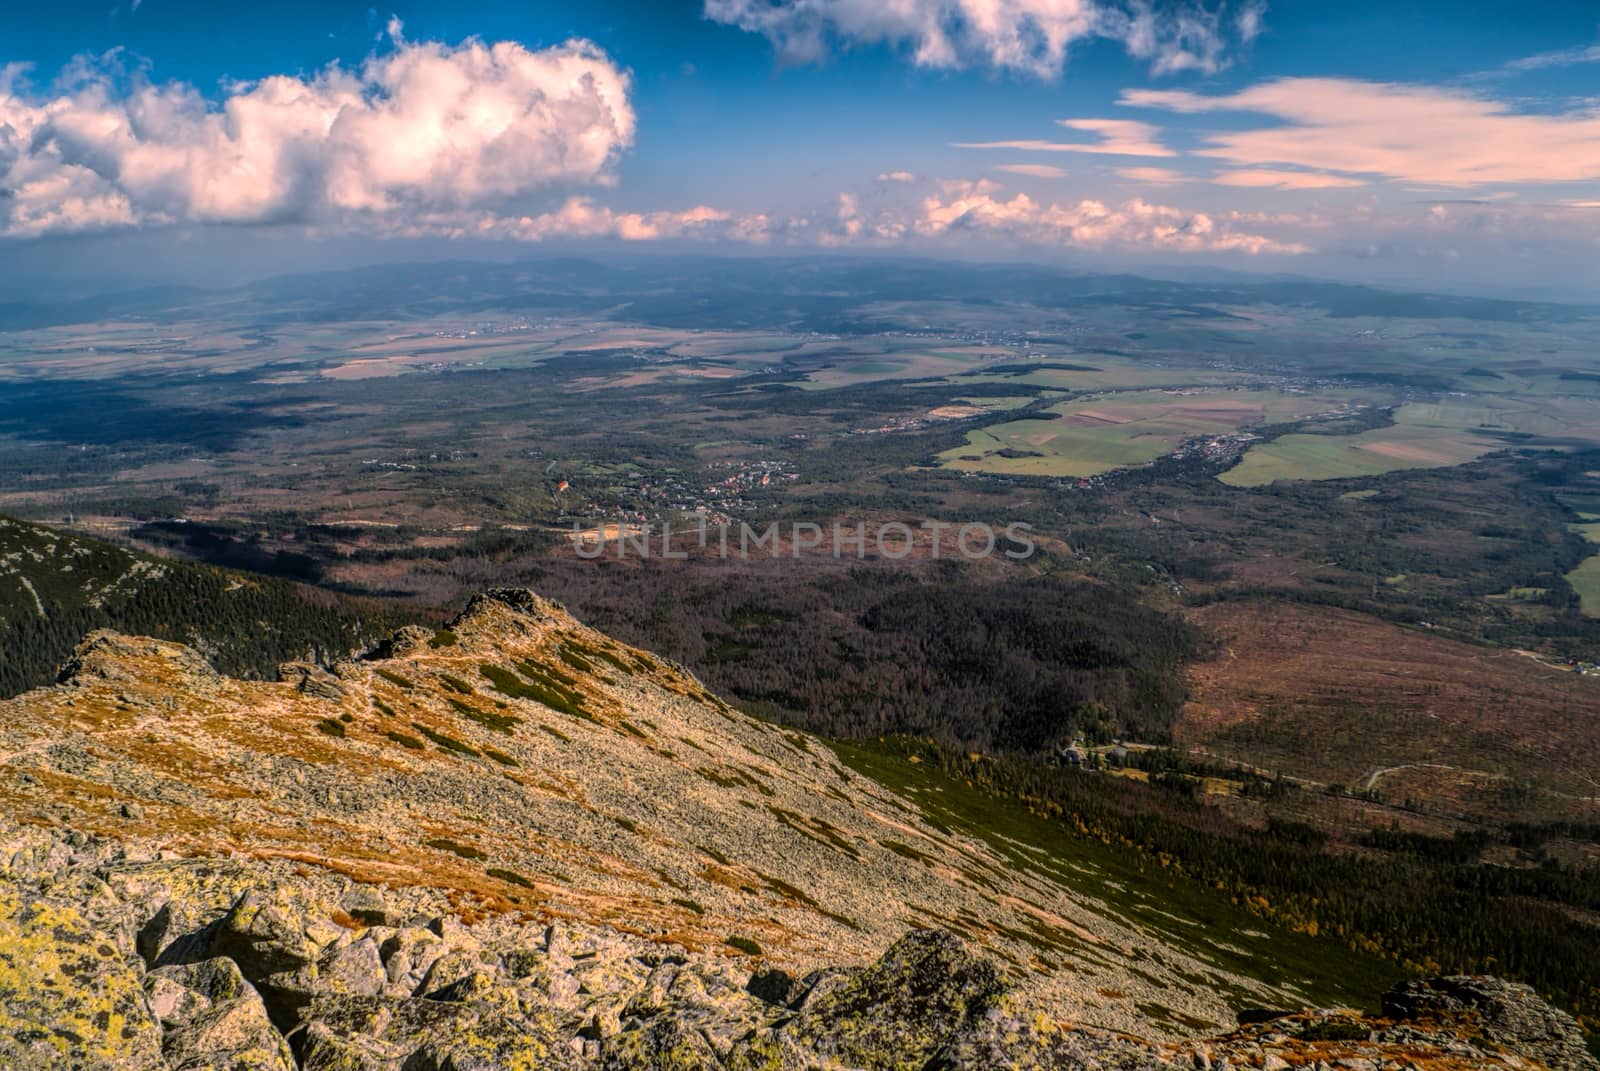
(274, 971)
(211, 1017)
(71, 986)
(1504, 1012)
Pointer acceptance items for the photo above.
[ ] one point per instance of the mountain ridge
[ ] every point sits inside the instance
(519, 771)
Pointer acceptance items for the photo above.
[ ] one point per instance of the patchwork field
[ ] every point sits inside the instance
(1104, 432)
(1451, 431)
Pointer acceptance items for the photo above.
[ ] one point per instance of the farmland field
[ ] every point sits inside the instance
(1451, 431)
(1108, 431)
(1585, 581)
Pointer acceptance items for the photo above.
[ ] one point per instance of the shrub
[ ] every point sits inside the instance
(745, 945)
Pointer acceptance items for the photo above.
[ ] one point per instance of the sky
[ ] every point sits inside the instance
(1437, 144)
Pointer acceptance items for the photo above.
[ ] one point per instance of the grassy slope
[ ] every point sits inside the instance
(1133, 887)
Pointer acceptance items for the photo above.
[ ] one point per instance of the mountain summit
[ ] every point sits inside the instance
(517, 843)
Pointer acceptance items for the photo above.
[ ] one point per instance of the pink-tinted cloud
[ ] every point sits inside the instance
(1424, 135)
(581, 217)
(1285, 180)
(1154, 176)
(1115, 137)
(1044, 171)
(980, 214)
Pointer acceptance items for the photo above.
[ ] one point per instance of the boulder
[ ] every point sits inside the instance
(1009, 1037)
(70, 989)
(420, 1034)
(214, 1019)
(1508, 1013)
(266, 934)
(894, 1016)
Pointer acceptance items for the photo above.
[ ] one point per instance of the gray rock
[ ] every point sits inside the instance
(265, 934)
(214, 1019)
(1508, 1012)
(773, 986)
(418, 1034)
(1006, 1037)
(898, 1013)
(355, 968)
(70, 991)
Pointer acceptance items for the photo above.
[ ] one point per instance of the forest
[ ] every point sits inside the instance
(1427, 904)
(57, 588)
(1012, 663)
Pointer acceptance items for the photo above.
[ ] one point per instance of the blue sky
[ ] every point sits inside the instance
(1406, 142)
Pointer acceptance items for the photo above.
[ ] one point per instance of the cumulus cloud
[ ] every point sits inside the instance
(581, 217)
(422, 128)
(897, 176)
(959, 212)
(1117, 137)
(1424, 135)
(1024, 36)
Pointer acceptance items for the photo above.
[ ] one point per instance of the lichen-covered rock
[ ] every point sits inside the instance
(70, 990)
(1506, 1012)
(355, 967)
(1017, 1040)
(420, 1034)
(664, 1044)
(266, 935)
(898, 1013)
(177, 902)
(214, 1019)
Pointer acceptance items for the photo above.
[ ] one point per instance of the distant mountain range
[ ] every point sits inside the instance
(813, 293)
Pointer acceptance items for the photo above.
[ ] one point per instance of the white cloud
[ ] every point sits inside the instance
(1033, 170)
(961, 213)
(580, 217)
(1135, 224)
(897, 176)
(1564, 57)
(1285, 180)
(1423, 135)
(422, 128)
(1249, 22)
(1118, 137)
(1025, 36)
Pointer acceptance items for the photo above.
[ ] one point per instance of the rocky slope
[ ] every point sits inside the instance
(117, 958)
(518, 844)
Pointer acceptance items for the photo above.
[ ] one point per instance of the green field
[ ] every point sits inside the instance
(1115, 430)
(1424, 435)
(1585, 580)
